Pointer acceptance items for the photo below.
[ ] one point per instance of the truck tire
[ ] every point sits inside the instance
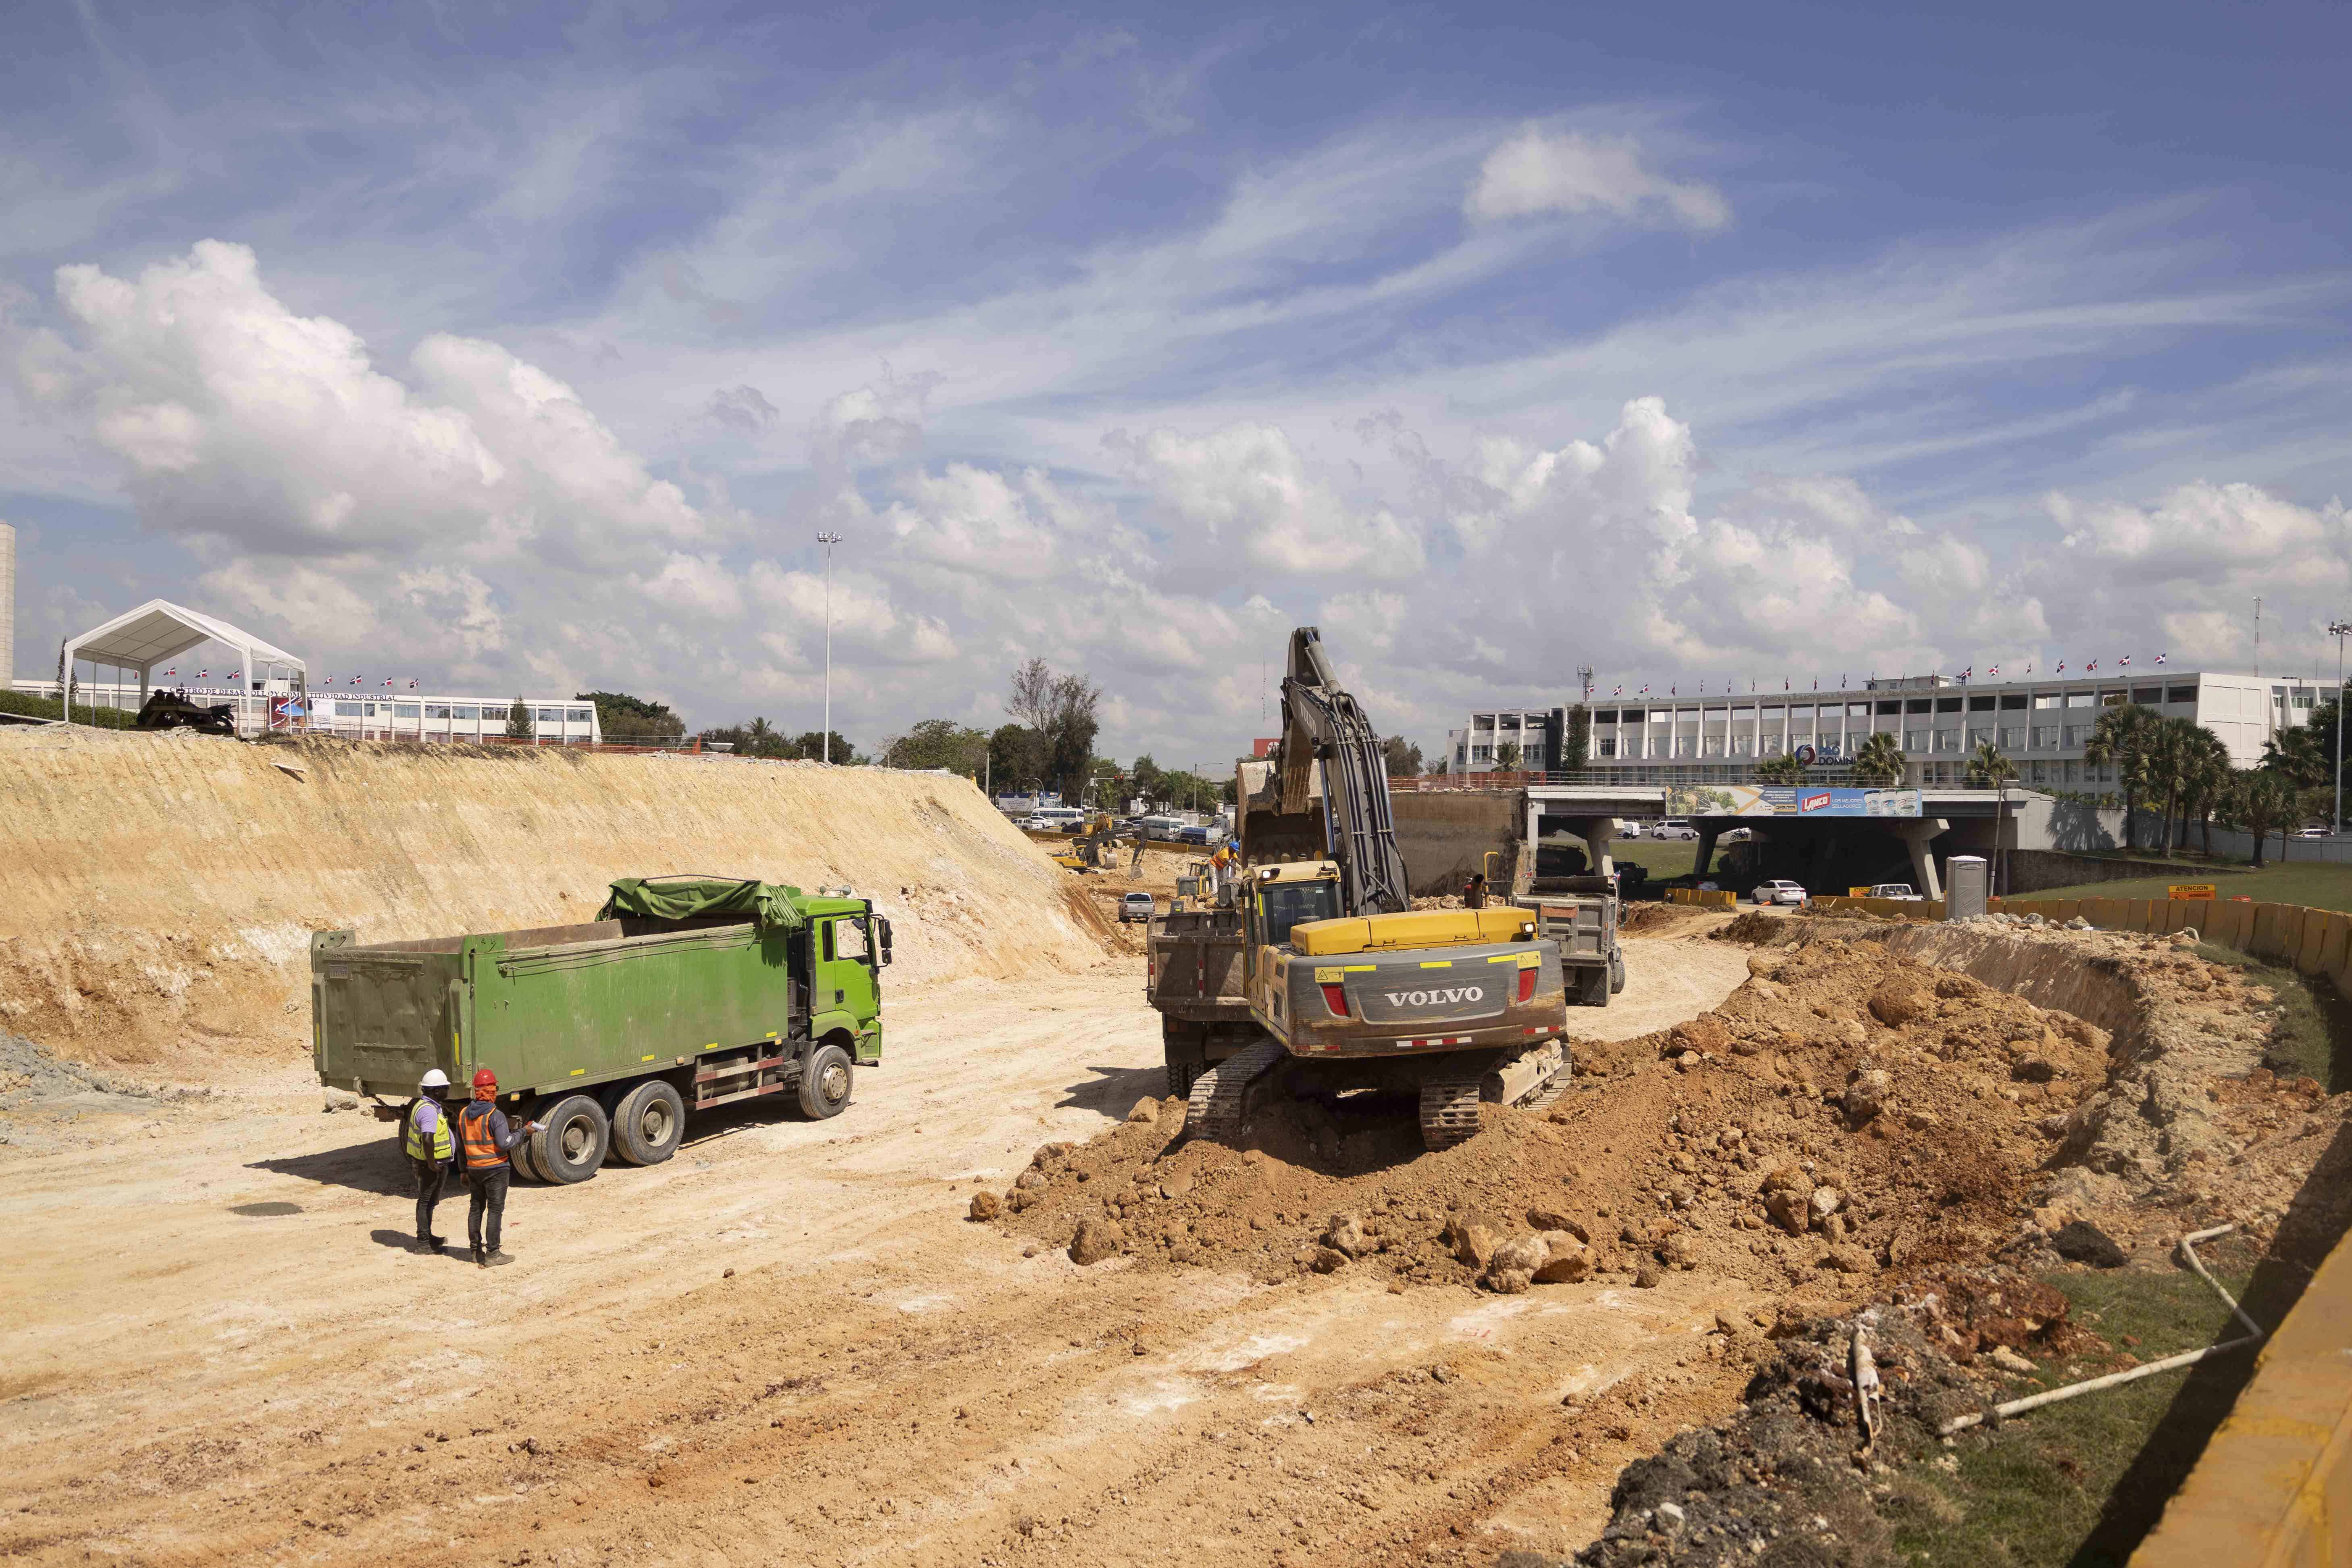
(648, 1123)
(1186, 1048)
(1617, 972)
(572, 1140)
(520, 1158)
(825, 1082)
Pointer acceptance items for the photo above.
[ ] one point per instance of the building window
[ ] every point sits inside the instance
(1631, 716)
(2038, 771)
(1482, 754)
(2180, 694)
(1855, 710)
(2084, 698)
(1685, 745)
(1981, 704)
(347, 709)
(1883, 708)
(2012, 700)
(2069, 772)
(577, 715)
(403, 710)
(436, 711)
(2047, 699)
(1915, 739)
(1948, 704)
(1608, 746)
(1771, 746)
(465, 711)
(1948, 740)
(1919, 705)
(2303, 697)
(2046, 737)
(2076, 735)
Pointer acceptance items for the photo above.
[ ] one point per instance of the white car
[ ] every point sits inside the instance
(1136, 907)
(1778, 892)
(1629, 830)
(1675, 830)
(1895, 890)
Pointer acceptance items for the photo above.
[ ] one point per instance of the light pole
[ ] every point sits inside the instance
(828, 541)
(2340, 630)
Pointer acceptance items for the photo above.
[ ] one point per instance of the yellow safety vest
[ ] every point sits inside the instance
(412, 1139)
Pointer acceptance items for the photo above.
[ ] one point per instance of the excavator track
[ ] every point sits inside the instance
(1449, 1111)
(1221, 1097)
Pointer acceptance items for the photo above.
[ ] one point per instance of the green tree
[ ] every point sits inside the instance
(1016, 758)
(941, 743)
(809, 746)
(2262, 801)
(2306, 753)
(1987, 767)
(1781, 769)
(1062, 709)
(2205, 781)
(1879, 760)
(519, 722)
(2123, 739)
(1507, 757)
(1399, 758)
(1576, 740)
(623, 718)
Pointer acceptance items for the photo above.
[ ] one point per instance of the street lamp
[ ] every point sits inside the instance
(828, 541)
(2340, 630)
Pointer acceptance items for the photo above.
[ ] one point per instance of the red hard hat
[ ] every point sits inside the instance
(485, 1078)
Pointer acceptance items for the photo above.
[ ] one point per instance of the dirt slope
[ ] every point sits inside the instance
(162, 888)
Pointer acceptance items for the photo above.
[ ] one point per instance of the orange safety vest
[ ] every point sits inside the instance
(482, 1151)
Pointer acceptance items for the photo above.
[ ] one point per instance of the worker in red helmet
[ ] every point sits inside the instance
(486, 1140)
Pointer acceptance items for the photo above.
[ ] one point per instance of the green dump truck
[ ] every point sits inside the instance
(685, 993)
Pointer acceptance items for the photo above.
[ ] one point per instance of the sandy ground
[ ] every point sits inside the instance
(786, 1345)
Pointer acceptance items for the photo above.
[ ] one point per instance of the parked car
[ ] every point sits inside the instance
(1136, 907)
(1629, 830)
(1893, 890)
(2311, 833)
(1778, 891)
(1739, 836)
(1193, 835)
(1671, 828)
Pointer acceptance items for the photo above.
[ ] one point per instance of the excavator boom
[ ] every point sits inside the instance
(1327, 741)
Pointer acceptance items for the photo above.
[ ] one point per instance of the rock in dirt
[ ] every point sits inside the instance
(1865, 1097)
(2084, 1242)
(1473, 1244)
(1345, 1235)
(1848, 1260)
(1327, 1260)
(2033, 1069)
(1029, 1181)
(1566, 1259)
(1826, 1201)
(1787, 1196)
(985, 1205)
(1146, 1111)
(1509, 1282)
(1097, 1239)
(2008, 1360)
(1552, 1219)
(1521, 1256)
(1647, 1276)
(1900, 1001)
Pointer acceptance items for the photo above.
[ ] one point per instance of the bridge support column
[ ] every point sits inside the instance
(1706, 836)
(1915, 836)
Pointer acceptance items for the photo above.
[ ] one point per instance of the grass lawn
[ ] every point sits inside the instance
(2309, 883)
(2078, 1483)
(1662, 857)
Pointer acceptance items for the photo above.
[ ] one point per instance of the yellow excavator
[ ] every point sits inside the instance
(1091, 850)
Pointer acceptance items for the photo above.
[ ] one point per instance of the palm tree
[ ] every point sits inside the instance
(2262, 800)
(1782, 768)
(2122, 737)
(2171, 752)
(1987, 767)
(2203, 778)
(1879, 760)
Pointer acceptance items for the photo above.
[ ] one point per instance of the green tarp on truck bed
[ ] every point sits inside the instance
(770, 905)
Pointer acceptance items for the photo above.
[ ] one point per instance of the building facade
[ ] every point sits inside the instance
(2042, 725)
(358, 715)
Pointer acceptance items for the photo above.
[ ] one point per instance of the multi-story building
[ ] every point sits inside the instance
(2041, 725)
(356, 713)
(1534, 731)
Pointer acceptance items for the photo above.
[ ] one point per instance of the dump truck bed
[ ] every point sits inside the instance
(548, 1007)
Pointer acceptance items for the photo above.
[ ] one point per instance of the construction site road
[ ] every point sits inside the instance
(785, 1346)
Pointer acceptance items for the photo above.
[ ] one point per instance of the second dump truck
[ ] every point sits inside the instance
(686, 993)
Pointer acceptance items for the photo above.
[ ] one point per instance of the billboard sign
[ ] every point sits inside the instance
(1789, 800)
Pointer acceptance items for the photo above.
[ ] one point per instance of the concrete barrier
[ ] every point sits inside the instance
(1704, 898)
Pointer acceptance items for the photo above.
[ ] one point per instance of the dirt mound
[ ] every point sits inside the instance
(1844, 1109)
(164, 887)
(1658, 920)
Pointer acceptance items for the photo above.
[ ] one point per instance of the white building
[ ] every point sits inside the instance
(358, 715)
(2043, 724)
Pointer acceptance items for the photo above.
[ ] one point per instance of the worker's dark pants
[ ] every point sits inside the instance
(489, 1197)
(430, 1175)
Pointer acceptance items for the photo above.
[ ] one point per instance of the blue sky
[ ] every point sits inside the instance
(532, 350)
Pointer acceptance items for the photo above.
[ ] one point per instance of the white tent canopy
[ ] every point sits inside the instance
(159, 630)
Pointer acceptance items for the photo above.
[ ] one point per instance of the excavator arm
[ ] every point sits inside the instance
(1328, 740)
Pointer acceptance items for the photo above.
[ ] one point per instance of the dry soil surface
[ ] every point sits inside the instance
(785, 1346)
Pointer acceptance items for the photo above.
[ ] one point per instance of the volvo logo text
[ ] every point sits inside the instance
(1429, 998)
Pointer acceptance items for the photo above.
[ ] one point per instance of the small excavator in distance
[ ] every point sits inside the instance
(1320, 976)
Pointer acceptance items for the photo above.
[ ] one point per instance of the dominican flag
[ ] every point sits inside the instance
(1616, 691)
(2092, 667)
(387, 680)
(2159, 659)
(355, 681)
(1674, 690)
(2062, 667)
(1967, 672)
(1994, 671)
(1784, 683)
(172, 672)
(204, 675)
(412, 685)
(1645, 689)
(2122, 663)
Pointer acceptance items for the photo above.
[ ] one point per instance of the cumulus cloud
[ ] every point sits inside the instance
(1245, 494)
(1538, 172)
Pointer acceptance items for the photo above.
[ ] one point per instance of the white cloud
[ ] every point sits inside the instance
(1245, 494)
(1537, 171)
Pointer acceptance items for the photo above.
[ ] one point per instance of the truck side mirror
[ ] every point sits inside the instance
(883, 926)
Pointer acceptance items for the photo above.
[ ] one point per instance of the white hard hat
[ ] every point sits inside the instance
(436, 1078)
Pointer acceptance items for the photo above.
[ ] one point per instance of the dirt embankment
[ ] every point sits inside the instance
(163, 888)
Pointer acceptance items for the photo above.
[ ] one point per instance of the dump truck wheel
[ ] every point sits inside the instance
(520, 1158)
(1186, 1048)
(648, 1123)
(1616, 973)
(571, 1142)
(825, 1082)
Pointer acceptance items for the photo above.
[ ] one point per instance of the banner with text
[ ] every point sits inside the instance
(1788, 800)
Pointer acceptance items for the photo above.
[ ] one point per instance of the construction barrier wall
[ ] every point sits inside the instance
(1704, 898)
(2275, 1484)
(1889, 908)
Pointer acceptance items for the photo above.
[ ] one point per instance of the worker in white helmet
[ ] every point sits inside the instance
(431, 1144)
